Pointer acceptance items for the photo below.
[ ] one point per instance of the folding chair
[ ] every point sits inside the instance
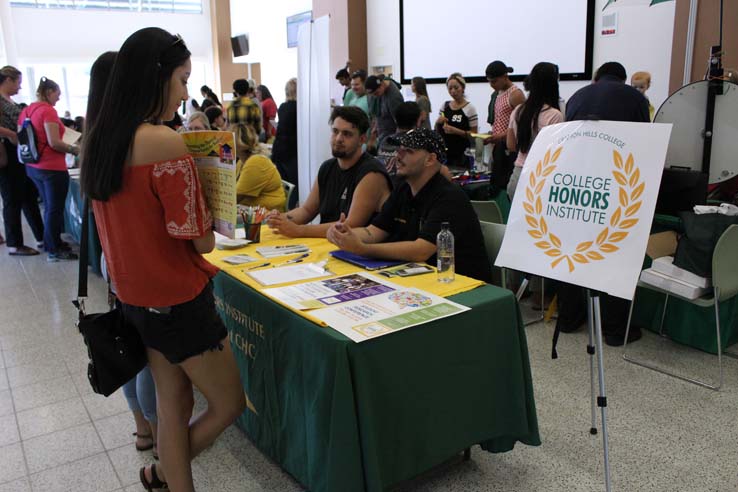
(725, 284)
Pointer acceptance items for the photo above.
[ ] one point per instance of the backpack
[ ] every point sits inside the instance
(28, 152)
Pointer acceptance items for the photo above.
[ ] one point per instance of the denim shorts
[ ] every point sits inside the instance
(182, 331)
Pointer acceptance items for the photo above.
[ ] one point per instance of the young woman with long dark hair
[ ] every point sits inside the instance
(268, 111)
(539, 110)
(140, 392)
(154, 226)
(420, 90)
(207, 93)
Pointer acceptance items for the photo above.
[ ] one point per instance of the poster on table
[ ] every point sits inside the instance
(215, 155)
(584, 204)
(387, 312)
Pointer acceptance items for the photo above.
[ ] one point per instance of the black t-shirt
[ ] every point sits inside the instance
(407, 218)
(284, 149)
(337, 186)
(456, 144)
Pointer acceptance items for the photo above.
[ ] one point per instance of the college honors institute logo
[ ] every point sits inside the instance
(584, 199)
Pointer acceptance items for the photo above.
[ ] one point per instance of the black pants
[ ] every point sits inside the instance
(572, 304)
(18, 195)
(502, 167)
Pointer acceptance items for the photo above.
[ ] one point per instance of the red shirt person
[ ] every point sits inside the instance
(50, 174)
(268, 111)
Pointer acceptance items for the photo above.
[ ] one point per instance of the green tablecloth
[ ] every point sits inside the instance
(73, 224)
(347, 417)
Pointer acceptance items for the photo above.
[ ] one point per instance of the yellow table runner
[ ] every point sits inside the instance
(319, 251)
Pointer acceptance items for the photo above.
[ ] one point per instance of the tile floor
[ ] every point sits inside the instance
(56, 435)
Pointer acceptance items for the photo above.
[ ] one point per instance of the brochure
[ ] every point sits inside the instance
(330, 292)
(215, 155)
(387, 313)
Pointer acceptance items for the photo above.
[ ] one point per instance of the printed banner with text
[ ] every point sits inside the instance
(215, 155)
(584, 204)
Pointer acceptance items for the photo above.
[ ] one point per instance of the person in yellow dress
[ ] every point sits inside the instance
(257, 179)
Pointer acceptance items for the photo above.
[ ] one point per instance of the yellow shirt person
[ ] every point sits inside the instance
(257, 179)
(259, 183)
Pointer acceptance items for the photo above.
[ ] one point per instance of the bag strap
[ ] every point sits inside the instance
(83, 260)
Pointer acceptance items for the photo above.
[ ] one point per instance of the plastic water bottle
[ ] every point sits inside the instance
(445, 254)
(471, 158)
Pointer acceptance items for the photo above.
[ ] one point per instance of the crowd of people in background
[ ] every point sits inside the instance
(514, 122)
(384, 193)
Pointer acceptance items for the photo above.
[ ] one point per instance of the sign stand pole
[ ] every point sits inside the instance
(595, 319)
(591, 352)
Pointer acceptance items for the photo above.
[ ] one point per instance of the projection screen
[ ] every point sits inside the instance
(439, 37)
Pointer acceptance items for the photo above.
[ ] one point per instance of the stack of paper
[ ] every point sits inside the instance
(286, 250)
(664, 275)
(665, 265)
(286, 274)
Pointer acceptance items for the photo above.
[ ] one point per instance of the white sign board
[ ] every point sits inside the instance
(584, 204)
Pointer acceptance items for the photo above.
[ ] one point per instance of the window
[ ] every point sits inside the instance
(171, 6)
(74, 82)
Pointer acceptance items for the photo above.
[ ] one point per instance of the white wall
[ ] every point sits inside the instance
(642, 43)
(267, 30)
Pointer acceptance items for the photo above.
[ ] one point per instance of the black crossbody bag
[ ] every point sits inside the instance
(114, 347)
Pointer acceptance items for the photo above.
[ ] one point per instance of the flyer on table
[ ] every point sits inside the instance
(330, 292)
(386, 313)
(584, 204)
(215, 155)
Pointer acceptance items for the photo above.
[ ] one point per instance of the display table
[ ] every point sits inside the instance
(341, 416)
(73, 223)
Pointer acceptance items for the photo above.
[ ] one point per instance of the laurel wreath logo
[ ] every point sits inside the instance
(631, 188)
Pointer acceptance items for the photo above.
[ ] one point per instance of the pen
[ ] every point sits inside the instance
(259, 266)
(294, 260)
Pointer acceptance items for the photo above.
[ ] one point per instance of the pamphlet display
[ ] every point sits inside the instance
(362, 306)
(215, 156)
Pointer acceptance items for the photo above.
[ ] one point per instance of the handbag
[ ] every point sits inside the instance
(114, 347)
(701, 234)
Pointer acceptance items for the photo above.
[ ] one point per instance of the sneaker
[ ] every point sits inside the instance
(61, 255)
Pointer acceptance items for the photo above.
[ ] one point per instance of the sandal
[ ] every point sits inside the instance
(155, 482)
(145, 447)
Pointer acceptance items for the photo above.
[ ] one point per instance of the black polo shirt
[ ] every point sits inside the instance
(406, 218)
(608, 99)
(336, 186)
